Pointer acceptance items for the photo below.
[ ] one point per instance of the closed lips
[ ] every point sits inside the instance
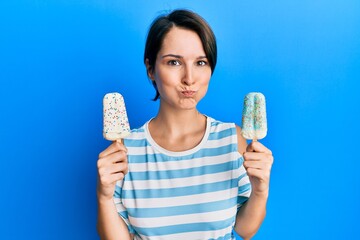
(188, 93)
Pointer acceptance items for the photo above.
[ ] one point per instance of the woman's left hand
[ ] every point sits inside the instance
(258, 161)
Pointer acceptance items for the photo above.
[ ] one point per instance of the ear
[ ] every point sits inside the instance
(149, 70)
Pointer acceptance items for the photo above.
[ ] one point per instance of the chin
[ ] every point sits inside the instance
(189, 108)
(188, 104)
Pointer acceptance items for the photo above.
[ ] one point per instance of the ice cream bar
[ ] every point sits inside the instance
(254, 124)
(116, 123)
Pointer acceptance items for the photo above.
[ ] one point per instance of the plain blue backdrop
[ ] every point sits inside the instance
(58, 58)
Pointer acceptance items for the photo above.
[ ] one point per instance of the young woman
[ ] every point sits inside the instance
(182, 175)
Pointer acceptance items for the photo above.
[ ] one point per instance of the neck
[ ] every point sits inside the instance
(178, 121)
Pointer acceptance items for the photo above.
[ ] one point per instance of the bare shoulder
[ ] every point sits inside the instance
(241, 141)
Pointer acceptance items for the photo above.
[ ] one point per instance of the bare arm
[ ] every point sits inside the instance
(112, 167)
(250, 216)
(257, 162)
(110, 225)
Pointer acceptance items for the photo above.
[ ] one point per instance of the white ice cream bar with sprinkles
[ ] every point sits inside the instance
(254, 123)
(116, 123)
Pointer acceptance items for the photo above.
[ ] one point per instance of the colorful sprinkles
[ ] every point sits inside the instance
(254, 122)
(116, 123)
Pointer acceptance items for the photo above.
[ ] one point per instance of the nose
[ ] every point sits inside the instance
(188, 76)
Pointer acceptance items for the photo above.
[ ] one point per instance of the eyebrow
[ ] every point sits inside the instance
(179, 56)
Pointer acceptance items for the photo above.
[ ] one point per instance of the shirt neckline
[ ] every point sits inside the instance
(181, 153)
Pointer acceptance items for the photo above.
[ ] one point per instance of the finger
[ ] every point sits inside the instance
(266, 166)
(117, 177)
(117, 157)
(111, 179)
(253, 156)
(254, 164)
(105, 172)
(119, 167)
(113, 158)
(258, 173)
(257, 147)
(256, 156)
(114, 147)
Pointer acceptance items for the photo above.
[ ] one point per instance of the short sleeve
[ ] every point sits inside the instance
(244, 186)
(120, 207)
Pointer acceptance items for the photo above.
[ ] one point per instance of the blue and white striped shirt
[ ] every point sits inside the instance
(194, 194)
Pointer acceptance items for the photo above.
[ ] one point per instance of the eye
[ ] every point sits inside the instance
(173, 62)
(202, 63)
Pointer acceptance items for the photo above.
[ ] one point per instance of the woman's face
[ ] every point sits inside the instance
(182, 71)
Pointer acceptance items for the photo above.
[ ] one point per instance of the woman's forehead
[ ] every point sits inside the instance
(182, 41)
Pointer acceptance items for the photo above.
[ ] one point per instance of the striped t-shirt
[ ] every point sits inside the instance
(194, 194)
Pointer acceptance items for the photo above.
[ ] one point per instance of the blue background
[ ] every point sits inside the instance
(58, 58)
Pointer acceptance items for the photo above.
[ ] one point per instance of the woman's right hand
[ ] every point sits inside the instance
(112, 166)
